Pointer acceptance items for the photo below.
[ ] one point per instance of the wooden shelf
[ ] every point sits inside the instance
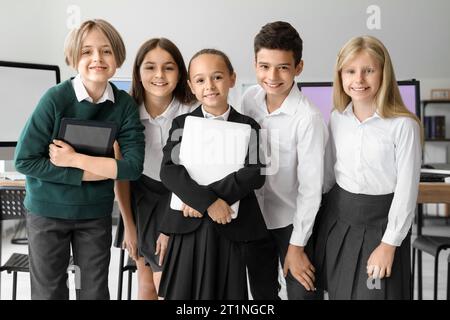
(434, 192)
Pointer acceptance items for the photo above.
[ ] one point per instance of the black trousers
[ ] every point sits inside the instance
(261, 259)
(50, 240)
(262, 264)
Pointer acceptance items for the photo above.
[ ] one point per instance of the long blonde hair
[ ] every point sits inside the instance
(388, 100)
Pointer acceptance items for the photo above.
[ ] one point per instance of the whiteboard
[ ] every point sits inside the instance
(21, 87)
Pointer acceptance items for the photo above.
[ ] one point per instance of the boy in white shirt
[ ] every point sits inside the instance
(295, 144)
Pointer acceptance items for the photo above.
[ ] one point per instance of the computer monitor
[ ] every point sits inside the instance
(321, 94)
(122, 83)
(21, 87)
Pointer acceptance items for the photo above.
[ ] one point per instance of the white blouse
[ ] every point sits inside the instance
(377, 156)
(156, 134)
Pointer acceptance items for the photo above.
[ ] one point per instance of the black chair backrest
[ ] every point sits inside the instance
(11, 203)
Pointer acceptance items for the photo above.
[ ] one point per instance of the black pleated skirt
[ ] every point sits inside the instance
(350, 227)
(202, 265)
(150, 201)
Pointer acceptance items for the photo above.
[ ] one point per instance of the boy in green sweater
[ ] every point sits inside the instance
(70, 195)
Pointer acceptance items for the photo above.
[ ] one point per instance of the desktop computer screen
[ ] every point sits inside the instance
(21, 87)
(321, 94)
(122, 83)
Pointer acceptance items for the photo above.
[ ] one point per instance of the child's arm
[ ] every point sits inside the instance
(312, 136)
(408, 156)
(89, 176)
(311, 140)
(63, 155)
(123, 196)
(175, 176)
(129, 167)
(31, 156)
(239, 184)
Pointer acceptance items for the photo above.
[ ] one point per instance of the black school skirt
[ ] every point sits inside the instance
(202, 265)
(150, 201)
(350, 227)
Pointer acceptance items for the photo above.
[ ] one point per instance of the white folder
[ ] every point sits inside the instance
(210, 150)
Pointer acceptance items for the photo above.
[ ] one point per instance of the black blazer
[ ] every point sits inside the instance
(240, 185)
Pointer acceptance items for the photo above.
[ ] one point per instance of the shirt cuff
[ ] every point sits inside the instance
(298, 238)
(393, 238)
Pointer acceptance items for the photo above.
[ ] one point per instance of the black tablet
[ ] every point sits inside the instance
(94, 138)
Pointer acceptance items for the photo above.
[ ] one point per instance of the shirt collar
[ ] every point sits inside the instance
(348, 111)
(169, 113)
(221, 117)
(82, 94)
(289, 105)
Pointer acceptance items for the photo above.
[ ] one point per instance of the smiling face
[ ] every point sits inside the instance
(210, 80)
(159, 73)
(97, 63)
(361, 78)
(276, 70)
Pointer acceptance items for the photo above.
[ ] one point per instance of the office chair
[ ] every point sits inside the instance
(432, 245)
(11, 207)
(130, 266)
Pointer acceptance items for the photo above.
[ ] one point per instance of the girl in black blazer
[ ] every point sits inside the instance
(204, 258)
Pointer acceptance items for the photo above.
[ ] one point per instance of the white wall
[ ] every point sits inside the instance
(416, 32)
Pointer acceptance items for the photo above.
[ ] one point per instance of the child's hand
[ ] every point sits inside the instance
(220, 212)
(189, 212)
(161, 247)
(297, 262)
(61, 154)
(130, 241)
(380, 261)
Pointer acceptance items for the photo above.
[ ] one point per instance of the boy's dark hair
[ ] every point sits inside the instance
(279, 35)
(214, 52)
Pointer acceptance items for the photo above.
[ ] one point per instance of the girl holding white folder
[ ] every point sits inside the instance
(204, 259)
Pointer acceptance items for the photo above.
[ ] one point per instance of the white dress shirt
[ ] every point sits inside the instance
(223, 116)
(156, 134)
(294, 145)
(82, 94)
(377, 156)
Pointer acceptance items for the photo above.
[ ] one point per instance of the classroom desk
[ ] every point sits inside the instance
(429, 192)
(12, 183)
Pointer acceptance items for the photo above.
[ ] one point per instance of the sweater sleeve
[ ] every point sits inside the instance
(132, 145)
(32, 151)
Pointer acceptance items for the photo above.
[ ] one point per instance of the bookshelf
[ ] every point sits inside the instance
(436, 113)
(435, 125)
